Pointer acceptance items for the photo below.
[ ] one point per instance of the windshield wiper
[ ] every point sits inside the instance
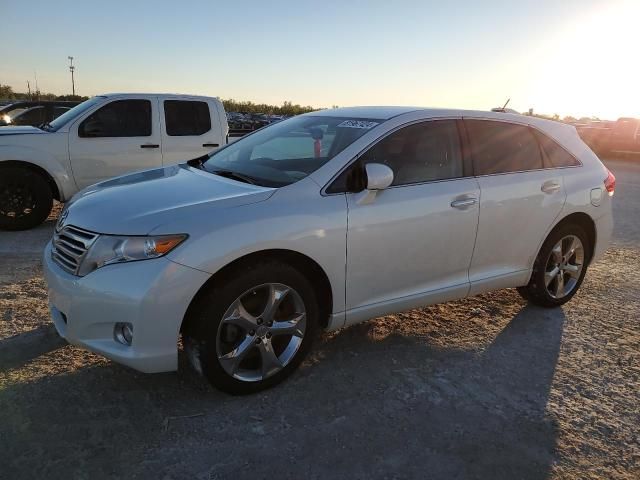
(45, 126)
(235, 176)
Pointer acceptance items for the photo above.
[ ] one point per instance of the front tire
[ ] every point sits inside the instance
(26, 198)
(559, 268)
(251, 331)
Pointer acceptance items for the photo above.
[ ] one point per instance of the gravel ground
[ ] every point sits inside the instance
(486, 387)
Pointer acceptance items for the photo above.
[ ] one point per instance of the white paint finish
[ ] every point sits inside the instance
(75, 163)
(513, 212)
(150, 295)
(393, 243)
(406, 248)
(96, 159)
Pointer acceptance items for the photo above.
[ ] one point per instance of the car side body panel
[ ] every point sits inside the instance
(295, 218)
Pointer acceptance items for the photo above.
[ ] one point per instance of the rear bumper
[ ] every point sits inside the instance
(152, 295)
(604, 231)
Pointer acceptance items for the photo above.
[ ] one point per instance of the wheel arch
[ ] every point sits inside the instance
(584, 221)
(35, 168)
(302, 262)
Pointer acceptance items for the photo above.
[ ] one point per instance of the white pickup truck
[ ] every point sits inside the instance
(106, 136)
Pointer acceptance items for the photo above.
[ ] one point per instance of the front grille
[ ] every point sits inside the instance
(70, 245)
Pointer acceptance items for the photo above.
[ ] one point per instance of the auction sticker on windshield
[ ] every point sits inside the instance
(366, 124)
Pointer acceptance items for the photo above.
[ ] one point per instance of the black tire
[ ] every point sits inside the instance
(536, 290)
(206, 315)
(26, 198)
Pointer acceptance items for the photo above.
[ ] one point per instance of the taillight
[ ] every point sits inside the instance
(610, 183)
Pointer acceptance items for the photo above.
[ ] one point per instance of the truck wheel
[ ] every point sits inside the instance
(25, 198)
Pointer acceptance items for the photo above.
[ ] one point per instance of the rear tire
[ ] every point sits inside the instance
(559, 268)
(26, 198)
(236, 335)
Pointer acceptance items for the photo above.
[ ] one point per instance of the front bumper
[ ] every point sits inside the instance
(152, 295)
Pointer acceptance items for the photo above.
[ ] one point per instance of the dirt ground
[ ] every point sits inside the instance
(486, 387)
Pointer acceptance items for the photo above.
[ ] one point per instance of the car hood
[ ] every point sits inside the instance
(138, 203)
(19, 130)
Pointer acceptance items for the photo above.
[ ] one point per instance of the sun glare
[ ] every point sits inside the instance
(592, 68)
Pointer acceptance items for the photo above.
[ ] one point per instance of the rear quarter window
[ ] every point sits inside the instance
(556, 155)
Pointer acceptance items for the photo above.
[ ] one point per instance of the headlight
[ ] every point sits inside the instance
(109, 249)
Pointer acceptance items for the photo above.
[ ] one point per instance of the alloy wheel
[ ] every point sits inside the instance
(261, 332)
(564, 266)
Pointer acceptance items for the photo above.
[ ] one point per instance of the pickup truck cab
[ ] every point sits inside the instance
(619, 137)
(106, 136)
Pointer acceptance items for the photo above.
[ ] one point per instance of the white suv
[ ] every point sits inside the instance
(322, 221)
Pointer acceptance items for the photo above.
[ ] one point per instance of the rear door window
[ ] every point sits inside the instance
(501, 147)
(186, 118)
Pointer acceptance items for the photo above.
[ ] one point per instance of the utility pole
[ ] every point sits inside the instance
(71, 69)
(35, 76)
(29, 89)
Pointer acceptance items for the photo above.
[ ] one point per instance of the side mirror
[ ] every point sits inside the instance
(378, 177)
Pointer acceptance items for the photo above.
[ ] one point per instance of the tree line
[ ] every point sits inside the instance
(7, 93)
(287, 108)
(230, 105)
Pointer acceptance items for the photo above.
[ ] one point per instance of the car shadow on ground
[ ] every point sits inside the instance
(397, 407)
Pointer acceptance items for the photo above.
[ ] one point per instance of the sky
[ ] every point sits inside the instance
(566, 57)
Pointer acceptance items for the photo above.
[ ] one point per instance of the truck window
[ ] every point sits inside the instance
(184, 118)
(120, 118)
(557, 156)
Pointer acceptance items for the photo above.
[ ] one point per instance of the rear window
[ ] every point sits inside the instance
(184, 118)
(501, 147)
(556, 155)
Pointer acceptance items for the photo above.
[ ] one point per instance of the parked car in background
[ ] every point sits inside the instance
(621, 136)
(241, 124)
(33, 113)
(106, 136)
(322, 221)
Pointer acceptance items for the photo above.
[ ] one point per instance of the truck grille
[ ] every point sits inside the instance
(70, 245)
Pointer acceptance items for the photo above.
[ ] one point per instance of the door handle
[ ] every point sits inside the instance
(149, 145)
(550, 186)
(464, 203)
(210, 144)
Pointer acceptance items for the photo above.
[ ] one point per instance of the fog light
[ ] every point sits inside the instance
(123, 333)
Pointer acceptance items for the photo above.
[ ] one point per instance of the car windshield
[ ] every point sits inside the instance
(74, 112)
(10, 114)
(288, 151)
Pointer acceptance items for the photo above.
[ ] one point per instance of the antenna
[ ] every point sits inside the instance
(506, 103)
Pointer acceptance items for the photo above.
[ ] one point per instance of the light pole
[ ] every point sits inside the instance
(71, 69)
